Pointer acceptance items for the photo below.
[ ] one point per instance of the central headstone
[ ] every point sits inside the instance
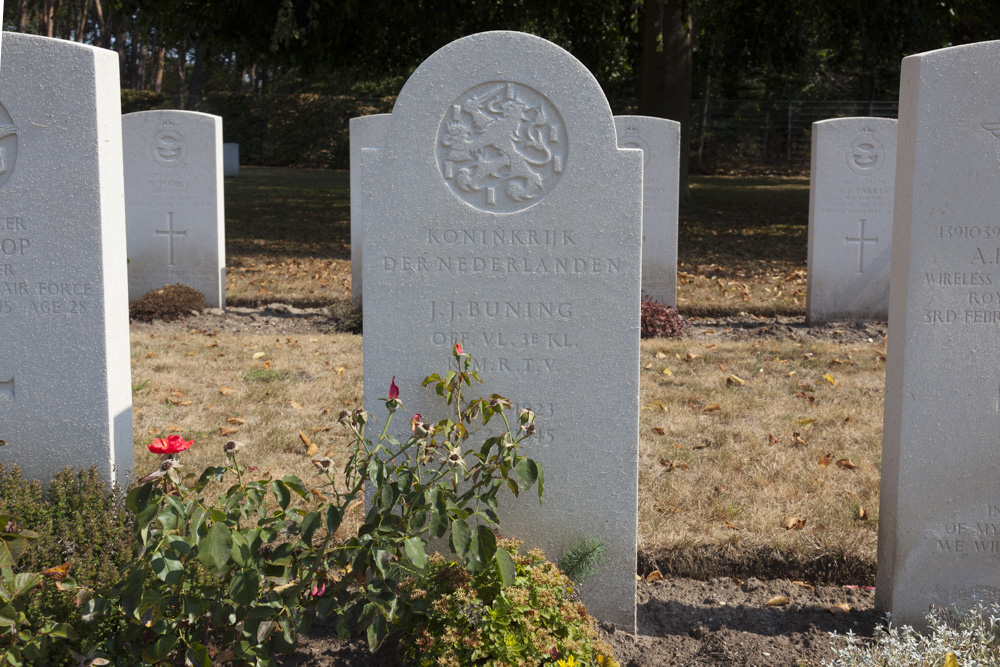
(502, 214)
(850, 219)
(174, 202)
(939, 519)
(65, 396)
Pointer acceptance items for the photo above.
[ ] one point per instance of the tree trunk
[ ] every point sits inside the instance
(22, 16)
(161, 57)
(665, 71)
(194, 90)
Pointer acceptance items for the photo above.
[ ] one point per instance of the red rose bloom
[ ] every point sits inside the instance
(393, 389)
(169, 445)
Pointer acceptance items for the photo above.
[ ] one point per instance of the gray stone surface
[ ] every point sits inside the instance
(531, 257)
(65, 396)
(174, 202)
(366, 132)
(850, 219)
(660, 141)
(940, 500)
(230, 160)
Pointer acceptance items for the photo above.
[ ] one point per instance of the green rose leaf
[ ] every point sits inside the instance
(461, 536)
(281, 493)
(481, 550)
(505, 566)
(215, 549)
(415, 551)
(197, 655)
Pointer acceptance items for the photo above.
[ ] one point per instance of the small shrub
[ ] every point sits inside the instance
(660, 320)
(170, 302)
(346, 317)
(953, 638)
(466, 619)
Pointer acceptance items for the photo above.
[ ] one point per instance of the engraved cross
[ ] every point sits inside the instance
(170, 233)
(861, 241)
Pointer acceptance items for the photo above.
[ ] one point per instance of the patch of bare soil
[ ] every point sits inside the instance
(689, 622)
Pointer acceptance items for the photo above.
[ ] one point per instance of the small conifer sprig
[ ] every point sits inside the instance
(582, 558)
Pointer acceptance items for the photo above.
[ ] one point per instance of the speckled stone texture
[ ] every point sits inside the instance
(65, 398)
(174, 202)
(940, 499)
(501, 213)
(660, 141)
(366, 132)
(850, 219)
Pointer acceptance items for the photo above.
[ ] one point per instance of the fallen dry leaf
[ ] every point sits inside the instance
(804, 584)
(150, 355)
(721, 368)
(841, 608)
(806, 397)
(846, 464)
(668, 510)
(173, 427)
(771, 440)
(224, 431)
(829, 378)
(311, 449)
(213, 344)
(659, 430)
(794, 523)
(320, 429)
(649, 366)
(797, 439)
(661, 355)
(655, 575)
(825, 461)
(730, 526)
(862, 513)
(737, 581)
(671, 465)
(691, 357)
(227, 391)
(296, 405)
(340, 370)
(715, 407)
(236, 420)
(667, 371)
(777, 601)
(259, 355)
(733, 379)
(806, 422)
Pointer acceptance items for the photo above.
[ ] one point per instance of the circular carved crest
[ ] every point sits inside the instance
(169, 146)
(502, 147)
(866, 154)
(8, 146)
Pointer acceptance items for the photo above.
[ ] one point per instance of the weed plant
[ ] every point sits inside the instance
(167, 303)
(953, 639)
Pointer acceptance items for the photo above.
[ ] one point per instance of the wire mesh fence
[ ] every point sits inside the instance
(738, 133)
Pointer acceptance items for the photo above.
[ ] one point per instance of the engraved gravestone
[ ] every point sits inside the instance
(660, 141)
(940, 502)
(502, 214)
(65, 396)
(850, 219)
(365, 132)
(174, 202)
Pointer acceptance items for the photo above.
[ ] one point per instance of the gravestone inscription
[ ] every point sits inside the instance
(850, 219)
(366, 132)
(502, 214)
(660, 141)
(174, 202)
(939, 502)
(65, 395)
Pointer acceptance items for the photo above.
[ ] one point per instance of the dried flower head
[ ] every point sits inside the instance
(233, 446)
(325, 463)
(455, 457)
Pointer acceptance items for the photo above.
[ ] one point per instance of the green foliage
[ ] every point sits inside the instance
(79, 522)
(519, 612)
(266, 375)
(143, 100)
(167, 303)
(248, 570)
(582, 558)
(346, 317)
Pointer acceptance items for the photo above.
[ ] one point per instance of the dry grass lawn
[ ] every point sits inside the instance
(754, 455)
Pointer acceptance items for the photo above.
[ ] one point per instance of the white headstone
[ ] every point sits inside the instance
(230, 160)
(65, 395)
(501, 213)
(850, 219)
(940, 499)
(174, 202)
(366, 132)
(660, 141)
